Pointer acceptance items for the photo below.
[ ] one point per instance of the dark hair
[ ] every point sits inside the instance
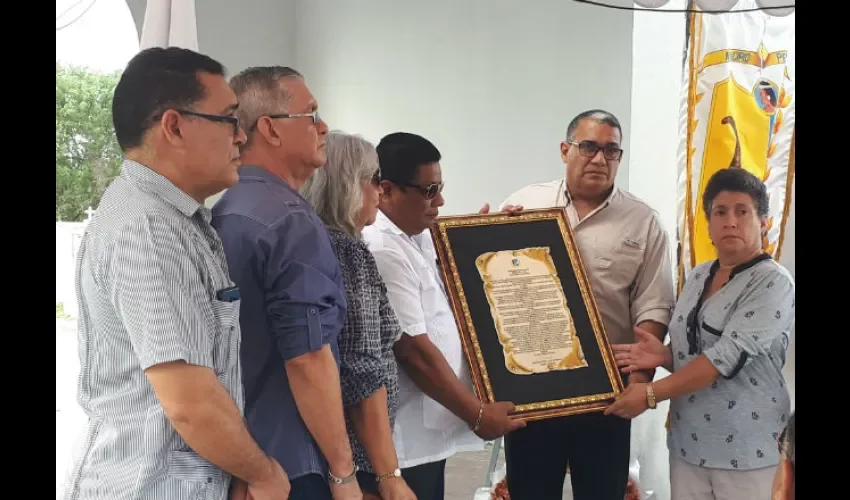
(736, 180)
(788, 438)
(155, 80)
(400, 155)
(597, 115)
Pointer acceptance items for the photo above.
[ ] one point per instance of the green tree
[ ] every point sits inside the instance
(87, 155)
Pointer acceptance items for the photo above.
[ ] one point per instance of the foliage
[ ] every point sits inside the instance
(87, 155)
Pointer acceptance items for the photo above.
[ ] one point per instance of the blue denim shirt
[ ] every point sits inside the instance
(293, 302)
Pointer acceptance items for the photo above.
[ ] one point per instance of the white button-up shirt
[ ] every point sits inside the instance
(425, 431)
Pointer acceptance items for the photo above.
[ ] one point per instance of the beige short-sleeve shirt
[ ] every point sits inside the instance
(625, 250)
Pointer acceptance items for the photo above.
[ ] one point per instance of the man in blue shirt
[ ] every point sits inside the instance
(293, 297)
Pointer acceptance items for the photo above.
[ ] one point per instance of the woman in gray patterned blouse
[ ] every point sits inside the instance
(345, 195)
(728, 339)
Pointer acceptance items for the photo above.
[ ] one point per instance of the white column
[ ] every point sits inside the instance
(170, 23)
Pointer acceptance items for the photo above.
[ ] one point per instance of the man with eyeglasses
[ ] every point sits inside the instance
(439, 414)
(293, 296)
(160, 377)
(626, 252)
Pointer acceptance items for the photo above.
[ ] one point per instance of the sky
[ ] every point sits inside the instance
(103, 39)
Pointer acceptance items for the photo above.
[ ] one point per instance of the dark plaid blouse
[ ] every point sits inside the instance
(366, 341)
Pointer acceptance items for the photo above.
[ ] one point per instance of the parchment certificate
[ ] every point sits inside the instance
(530, 311)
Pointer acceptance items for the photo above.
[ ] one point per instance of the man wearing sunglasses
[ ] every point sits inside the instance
(439, 414)
(293, 297)
(626, 252)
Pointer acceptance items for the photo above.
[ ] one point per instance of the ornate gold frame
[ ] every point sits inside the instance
(471, 347)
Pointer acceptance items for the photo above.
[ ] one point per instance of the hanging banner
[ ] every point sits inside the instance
(737, 112)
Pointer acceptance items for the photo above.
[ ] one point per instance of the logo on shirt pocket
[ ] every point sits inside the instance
(633, 243)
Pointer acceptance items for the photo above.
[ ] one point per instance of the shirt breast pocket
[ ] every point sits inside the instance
(711, 329)
(433, 297)
(226, 335)
(621, 263)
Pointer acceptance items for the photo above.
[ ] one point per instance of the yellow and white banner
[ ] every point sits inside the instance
(738, 95)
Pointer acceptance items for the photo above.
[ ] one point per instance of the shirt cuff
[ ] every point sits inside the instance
(161, 356)
(357, 387)
(658, 314)
(415, 329)
(726, 357)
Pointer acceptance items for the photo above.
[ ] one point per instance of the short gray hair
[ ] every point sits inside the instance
(260, 92)
(335, 190)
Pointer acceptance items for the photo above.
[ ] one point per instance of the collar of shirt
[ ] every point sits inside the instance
(384, 223)
(563, 199)
(259, 174)
(422, 241)
(151, 182)
(566, 200)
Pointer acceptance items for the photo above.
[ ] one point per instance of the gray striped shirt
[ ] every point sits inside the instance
(148, 271)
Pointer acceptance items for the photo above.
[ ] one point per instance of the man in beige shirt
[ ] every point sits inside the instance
(626, 252)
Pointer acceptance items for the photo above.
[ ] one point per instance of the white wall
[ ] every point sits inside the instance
(492, 83)
(240, 34)
(658, 45)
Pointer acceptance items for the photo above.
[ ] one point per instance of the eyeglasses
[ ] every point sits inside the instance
(314, 115)
(376, 177)
(234, 121)
(588, 149)
(429, 192)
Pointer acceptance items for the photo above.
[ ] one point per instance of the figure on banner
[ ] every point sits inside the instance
(766, 97)
(736, 156)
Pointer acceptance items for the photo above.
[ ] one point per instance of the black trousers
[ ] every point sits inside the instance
(427, 481)
(368, 482)
(593, 445)
(310, 487)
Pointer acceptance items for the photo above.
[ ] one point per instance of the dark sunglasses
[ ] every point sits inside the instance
(376, 177)
(232, 120)
(588, 149)
(429, 192)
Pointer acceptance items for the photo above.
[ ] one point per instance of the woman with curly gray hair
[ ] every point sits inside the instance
(345, 195)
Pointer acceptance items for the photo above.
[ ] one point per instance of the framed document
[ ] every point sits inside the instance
(530, 326)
